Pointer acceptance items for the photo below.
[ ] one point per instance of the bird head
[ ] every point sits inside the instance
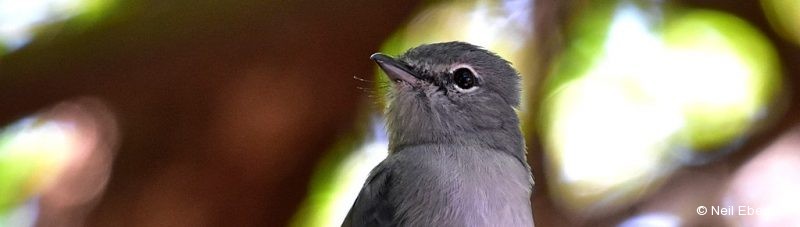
(449, 92)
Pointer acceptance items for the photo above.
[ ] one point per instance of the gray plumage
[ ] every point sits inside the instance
(456, 153)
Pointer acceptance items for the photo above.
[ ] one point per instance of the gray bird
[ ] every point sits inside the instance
(456, 153)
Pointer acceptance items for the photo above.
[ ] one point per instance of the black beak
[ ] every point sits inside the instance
(396, 70)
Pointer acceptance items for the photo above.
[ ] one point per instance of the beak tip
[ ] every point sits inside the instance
(377, 57)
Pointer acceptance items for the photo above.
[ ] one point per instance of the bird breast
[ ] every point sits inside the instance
(462, 186)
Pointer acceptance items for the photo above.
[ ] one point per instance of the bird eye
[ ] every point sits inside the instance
(464, 79)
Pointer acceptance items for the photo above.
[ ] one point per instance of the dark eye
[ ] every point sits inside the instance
(464, 78)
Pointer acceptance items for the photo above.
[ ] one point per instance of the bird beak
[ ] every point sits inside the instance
(396, 70)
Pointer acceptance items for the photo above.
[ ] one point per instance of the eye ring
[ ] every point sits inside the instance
(464, 79)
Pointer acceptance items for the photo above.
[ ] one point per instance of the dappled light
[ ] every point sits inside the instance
(55, 163)
(21, 20)
(783, 16)
(643, 107)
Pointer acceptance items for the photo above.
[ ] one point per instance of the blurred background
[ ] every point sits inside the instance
(268, 113)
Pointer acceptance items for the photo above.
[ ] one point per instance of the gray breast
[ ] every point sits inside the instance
(460, 186)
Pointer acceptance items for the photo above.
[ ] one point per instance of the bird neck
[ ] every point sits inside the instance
(505, 139)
